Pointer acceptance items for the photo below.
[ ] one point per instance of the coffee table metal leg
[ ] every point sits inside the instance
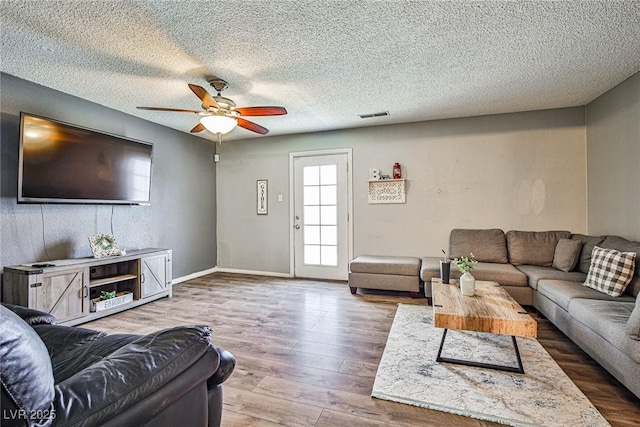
(444, 335)
(518, 370)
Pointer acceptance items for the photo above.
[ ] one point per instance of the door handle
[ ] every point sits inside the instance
(297, 226)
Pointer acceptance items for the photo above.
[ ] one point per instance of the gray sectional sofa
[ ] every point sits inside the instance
(531, 267)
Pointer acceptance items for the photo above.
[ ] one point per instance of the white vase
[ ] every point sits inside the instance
(467, 284)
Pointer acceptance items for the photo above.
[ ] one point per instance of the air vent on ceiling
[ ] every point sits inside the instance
(369, 116)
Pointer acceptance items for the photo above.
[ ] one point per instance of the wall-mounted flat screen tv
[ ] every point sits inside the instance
(63, 163)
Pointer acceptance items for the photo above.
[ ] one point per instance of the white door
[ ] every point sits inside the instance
(321, 211)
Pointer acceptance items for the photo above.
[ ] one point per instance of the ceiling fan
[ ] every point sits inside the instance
(220, 115)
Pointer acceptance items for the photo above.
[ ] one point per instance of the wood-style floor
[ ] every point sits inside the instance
(307, 352)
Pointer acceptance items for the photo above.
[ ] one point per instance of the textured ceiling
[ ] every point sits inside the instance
(325, 61)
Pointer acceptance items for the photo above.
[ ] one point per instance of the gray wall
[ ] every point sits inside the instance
(521, 171)
(182, 214)
(613, 159)
(513, 171)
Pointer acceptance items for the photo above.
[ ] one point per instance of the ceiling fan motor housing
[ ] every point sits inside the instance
(225, 103)
(218, 84)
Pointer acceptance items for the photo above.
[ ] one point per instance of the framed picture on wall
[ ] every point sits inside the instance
(262, 194)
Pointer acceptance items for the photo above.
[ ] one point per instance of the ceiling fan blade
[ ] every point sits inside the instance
(262, 111)
(197, 128)
(177, 110)
(254, 127)
(205, 97)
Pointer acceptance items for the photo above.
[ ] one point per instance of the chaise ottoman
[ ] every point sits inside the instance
(394, 273)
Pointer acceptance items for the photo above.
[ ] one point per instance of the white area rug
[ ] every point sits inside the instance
(542, 396)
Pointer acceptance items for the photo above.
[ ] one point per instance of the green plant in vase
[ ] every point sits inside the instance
(467, 281)
(465, 264)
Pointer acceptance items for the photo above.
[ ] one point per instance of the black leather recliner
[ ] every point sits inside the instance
(69, 376)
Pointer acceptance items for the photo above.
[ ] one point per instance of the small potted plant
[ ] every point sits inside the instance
(467, 281)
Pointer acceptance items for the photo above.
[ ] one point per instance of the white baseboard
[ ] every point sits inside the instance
(193, 275)
(253, 272)
(227, 270)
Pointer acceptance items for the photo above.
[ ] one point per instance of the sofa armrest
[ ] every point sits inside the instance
(130, 374)
(226, 367)
(31, 316)
(214, 386)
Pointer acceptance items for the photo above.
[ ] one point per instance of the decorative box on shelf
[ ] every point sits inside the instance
(98, 304)
(387, 191)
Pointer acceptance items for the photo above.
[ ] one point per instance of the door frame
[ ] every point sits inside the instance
(292, 157)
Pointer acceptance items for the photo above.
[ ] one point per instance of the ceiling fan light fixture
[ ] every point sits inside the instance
(219, 124)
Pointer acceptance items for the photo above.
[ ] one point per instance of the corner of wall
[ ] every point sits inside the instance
(586, 167)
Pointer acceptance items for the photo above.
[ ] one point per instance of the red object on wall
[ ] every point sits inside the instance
(397, 171)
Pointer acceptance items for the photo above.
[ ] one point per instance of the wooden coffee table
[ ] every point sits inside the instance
(491, 310)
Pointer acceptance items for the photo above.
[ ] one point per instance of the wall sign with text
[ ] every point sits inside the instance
(262, 194)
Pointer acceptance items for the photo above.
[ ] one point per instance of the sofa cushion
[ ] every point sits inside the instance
(131, 374)
(533, 247)
(535, 273)
(562, 292)
(25, 368)
(610, 271)
(607, 319)
(633, 288)
(588, 242)
(566, 255)
(76, 358)
(398, 265)
(505, 274)
(59, 340)
(487, 245)
(623, 245)
(430, 268)
(633, 325)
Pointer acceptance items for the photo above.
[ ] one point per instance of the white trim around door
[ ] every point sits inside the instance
(344, 270)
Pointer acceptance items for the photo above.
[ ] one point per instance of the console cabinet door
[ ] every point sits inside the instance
(60, 294)
(153, 279)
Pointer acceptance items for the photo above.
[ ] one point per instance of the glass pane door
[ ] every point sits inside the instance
(320, 233)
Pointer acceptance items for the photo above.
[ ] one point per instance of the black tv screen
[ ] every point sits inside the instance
(61, 163)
